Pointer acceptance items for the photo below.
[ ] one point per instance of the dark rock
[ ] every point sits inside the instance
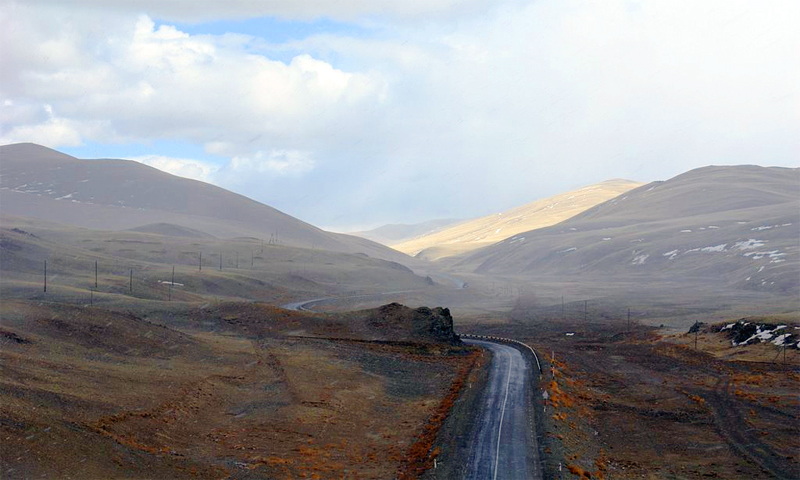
(696, 327)
(403, 323)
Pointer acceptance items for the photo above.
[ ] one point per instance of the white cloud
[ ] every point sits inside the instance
(282, 162)
(504, 105)
(149, 82)
(196, 11)
(182, 167)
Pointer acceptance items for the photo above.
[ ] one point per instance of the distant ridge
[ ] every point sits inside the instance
(399, 232)
(106, 194)
(733, 226)
(474, 234)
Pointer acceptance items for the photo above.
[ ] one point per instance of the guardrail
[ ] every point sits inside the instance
(505, 340)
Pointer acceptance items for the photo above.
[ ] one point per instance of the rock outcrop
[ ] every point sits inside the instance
(400, 323)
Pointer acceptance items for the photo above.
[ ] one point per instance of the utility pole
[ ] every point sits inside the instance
(237, 259)
(95, 274)
(201, 261)
(45, 276)
(220, 260)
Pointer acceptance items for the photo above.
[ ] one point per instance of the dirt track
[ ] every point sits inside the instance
(739, 434)
(633, 406)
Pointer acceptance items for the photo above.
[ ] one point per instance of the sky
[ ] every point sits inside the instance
(356, 113)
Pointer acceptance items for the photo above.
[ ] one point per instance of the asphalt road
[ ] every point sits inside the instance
(302, 305)
(504, 443)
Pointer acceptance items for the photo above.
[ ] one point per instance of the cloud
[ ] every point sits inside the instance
(182, 167)
(198, 11)
(282, 162)
(471, 110)
(144, 81)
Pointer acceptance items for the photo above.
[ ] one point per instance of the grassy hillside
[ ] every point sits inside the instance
(107, 194)
(735, 227)
(239, 268)
(400, 232)
(480, 232)
(234, 391)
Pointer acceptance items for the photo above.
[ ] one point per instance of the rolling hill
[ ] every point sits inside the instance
(474, 234)
(105, 194)
(731, 226)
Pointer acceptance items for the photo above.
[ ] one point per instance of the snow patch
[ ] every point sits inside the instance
(774, 255)
(781, 339)
(749, 244)
(571, 249)
(640, 259)
(65, 196)
(671, 254)
(716, 248)
(686, 231)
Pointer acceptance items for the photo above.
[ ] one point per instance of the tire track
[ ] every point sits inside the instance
(736, 432)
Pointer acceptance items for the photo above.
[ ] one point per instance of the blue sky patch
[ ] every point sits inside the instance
(167, 148)
(271, 29)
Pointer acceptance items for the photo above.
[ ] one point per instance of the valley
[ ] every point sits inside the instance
(175, 339)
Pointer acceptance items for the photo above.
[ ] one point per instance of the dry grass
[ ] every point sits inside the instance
(211, 403)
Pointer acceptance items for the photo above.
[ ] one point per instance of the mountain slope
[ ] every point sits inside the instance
(735, 226)
(484, 231)
(400, 232)
(107, 194)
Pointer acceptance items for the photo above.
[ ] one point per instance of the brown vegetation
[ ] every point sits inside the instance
(125, 396)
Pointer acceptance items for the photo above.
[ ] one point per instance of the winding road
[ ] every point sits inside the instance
(307, 304)
(504, 443)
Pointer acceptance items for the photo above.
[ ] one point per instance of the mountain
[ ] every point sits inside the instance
(401, 232)
(106, 194)
(732, 226)
(484, 231)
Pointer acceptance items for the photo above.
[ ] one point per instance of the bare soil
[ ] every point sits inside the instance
(630, 403)
(238, 391)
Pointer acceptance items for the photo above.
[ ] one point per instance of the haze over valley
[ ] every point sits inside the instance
(439, 240)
